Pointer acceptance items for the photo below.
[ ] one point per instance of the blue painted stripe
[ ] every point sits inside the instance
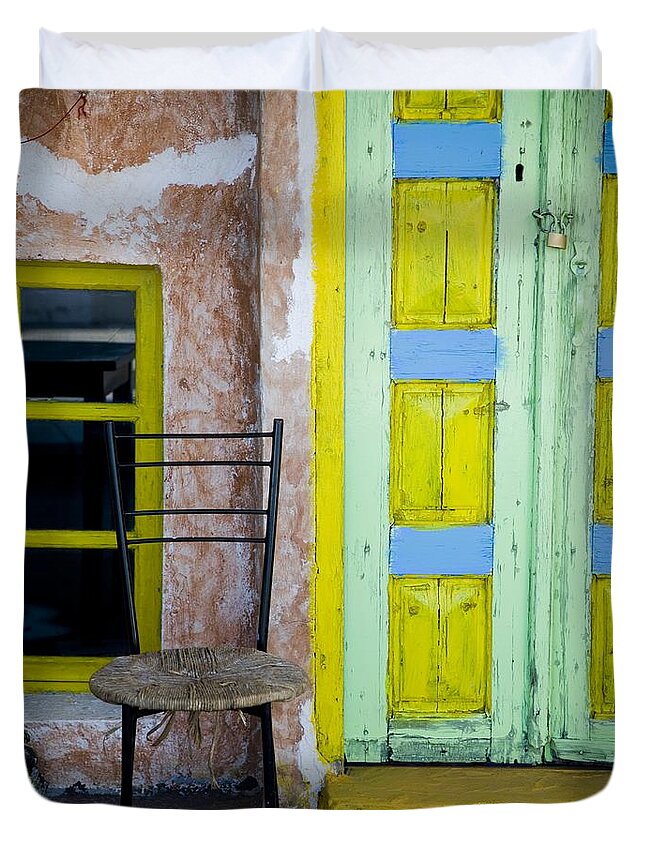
(464, 550)
(462, 354)
(439, 149)
(608, 150)
(605, 353)
(601, 536)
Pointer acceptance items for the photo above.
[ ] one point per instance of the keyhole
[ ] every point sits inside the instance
(519, 172)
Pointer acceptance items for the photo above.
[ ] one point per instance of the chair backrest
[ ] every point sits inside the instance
(267, 510)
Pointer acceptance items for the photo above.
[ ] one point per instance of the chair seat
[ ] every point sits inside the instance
(198, 679)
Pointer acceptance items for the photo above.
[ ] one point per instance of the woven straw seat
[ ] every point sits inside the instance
(198, 679)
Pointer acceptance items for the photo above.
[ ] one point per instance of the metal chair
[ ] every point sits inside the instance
(197, 679)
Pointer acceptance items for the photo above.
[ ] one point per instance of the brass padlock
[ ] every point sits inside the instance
(556, 240)
(553, 226)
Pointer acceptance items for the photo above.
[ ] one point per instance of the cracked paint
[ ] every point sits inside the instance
(285, 200)
(165, 179)
(62, 185)
(300, 297)
(174, 179)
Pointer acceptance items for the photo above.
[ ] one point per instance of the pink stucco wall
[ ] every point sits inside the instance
(189, 182)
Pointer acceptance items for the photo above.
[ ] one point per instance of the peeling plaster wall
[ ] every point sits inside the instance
(286, 172)
(169, 179)
(184, 181)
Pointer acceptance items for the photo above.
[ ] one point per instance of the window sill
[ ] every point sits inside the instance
(67, 707)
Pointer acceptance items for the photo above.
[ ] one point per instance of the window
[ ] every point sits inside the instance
(92, 342)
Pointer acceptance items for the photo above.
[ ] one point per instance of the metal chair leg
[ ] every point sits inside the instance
(270, 793)
(128, 739)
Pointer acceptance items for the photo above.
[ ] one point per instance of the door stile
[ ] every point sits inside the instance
(514, 450)
(565, 390)
(367, 419)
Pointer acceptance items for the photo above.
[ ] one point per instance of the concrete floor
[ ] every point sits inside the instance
(385, 787)
(196, 797)
(410, 787)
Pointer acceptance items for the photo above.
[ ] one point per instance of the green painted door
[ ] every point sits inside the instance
(469, 428)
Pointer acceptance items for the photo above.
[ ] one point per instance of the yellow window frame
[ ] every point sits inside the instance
(71, 674)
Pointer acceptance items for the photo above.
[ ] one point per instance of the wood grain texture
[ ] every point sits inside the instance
(328, 210)
(601, 545)
(609, 151)
(440, 740)
(419, 104)
(601, 675)
(605, 353)
(443, 149)
(439, 646)
(608, 251)
(367, 418)
(470, 212)
(447, 105)
(566, 376)
(546, 327)
(467, 459)
(597, 748)
(419, 253)
(603, 457)
(443, 253)
(448, 550)
(441, 458)
(441, 462)
(514, 448)
(474, 104)
(416, 469)
(457, 354)
(464, 646)
(414, 646)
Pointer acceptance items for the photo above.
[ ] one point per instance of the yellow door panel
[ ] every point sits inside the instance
(602, 650)
(608, 251)
(603, 463)
(441, 452)
(443, 253)
(416, 449)
(451, 105)
(419, 270)
(414, 643)
(474, 104)
(467, 451)
(464, 645)
(470, 207)
(419, 104)
(439, 646)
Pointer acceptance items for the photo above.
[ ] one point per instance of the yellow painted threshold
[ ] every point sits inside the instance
(402, 787)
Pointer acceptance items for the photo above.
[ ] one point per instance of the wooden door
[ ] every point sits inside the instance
(453, 499)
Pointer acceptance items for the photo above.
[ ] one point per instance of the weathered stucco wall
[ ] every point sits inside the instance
(287, 165)
(181, 180)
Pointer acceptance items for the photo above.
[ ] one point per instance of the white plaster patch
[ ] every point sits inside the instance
(311, 767)
(299, 333)
(63, 186)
